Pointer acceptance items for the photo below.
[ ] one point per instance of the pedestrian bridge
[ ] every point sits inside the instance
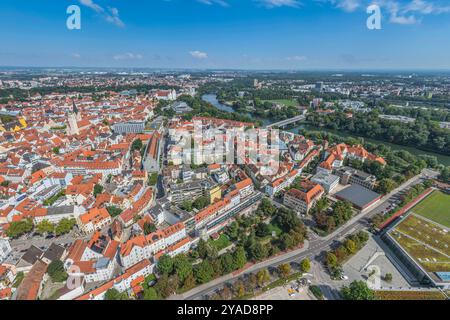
(286, 122)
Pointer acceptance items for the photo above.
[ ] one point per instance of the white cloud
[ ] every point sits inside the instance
(348, 5)
(92, 5)
(404, 12)
(279, 3)
(76, 55)
(222, 3)
(198, 54)
(296, 58)
(128, 56)
(111, 14)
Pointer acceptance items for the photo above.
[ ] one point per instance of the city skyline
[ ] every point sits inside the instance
(219, 34)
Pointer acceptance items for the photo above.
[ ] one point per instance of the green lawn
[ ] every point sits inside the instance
(435, 207)
(220, 243)
(275, 228)
(286, 102)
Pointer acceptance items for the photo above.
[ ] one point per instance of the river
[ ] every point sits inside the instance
(212, 99)
(445, 160)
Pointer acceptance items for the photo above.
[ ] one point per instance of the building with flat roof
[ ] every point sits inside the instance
(360, 197)
(349, 175)
(129, 127)
(327, 180)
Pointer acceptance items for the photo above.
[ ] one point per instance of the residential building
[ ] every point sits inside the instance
(122, 283)
(303, 199)
(5, 249)
(94, 219)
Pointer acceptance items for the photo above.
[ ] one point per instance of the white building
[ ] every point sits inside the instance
(145, 247)
(123, 282)
(5, 249)
(327, 180)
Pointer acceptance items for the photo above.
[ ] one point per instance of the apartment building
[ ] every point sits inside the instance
(303, 199)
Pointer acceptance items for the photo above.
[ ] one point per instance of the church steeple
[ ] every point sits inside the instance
(73, 118)
(74, 107)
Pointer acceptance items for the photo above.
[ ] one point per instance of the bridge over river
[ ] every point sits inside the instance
(284, 123)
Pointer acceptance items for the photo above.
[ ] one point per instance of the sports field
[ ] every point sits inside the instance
(286, 102)
(435, 207)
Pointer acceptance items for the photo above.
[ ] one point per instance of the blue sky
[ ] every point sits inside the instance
(245, 34)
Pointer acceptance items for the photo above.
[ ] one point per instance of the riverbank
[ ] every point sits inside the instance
(442, 159)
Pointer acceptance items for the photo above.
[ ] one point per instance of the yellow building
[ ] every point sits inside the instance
(215, 194)
(16, 125)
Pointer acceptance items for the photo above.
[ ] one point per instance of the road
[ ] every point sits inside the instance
(313, 248)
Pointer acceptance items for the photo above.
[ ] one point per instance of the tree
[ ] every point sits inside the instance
(262, 277)
(204, 272)
(239, 289)
(182, 266)
(358, 290)
(114, 211)
(305, 265)
(386, 185)
(286, 241)
(202, 249)
(251, 282)
(56, 271)
(200, 202)
(98, 189)
(150, 294)
(186, 205)
(287, 219)
(233, 231)
(65, 226)
(321, 205)
(45, 227)
(284, 270)
(331, 260)
(166, 285)
(18, 228)
(342, 212)
(262, 230)
(149, 228)
(137, 145)
(165, 264)
(445, 175)
(239, 258)
(226, 261)
(113, 294)
(388, 277)
(226, 293)
(189, 282)
(258, 251)
(350, 246)
(152, 179)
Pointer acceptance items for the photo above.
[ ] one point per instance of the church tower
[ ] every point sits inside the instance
(73, 120)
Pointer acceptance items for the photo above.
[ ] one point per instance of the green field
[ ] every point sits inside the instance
(221, 243)
(426, 232)
(429, 259)
(409, 295)
(286, 102)
(435, 207)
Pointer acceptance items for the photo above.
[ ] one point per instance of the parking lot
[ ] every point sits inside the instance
(292, 291)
